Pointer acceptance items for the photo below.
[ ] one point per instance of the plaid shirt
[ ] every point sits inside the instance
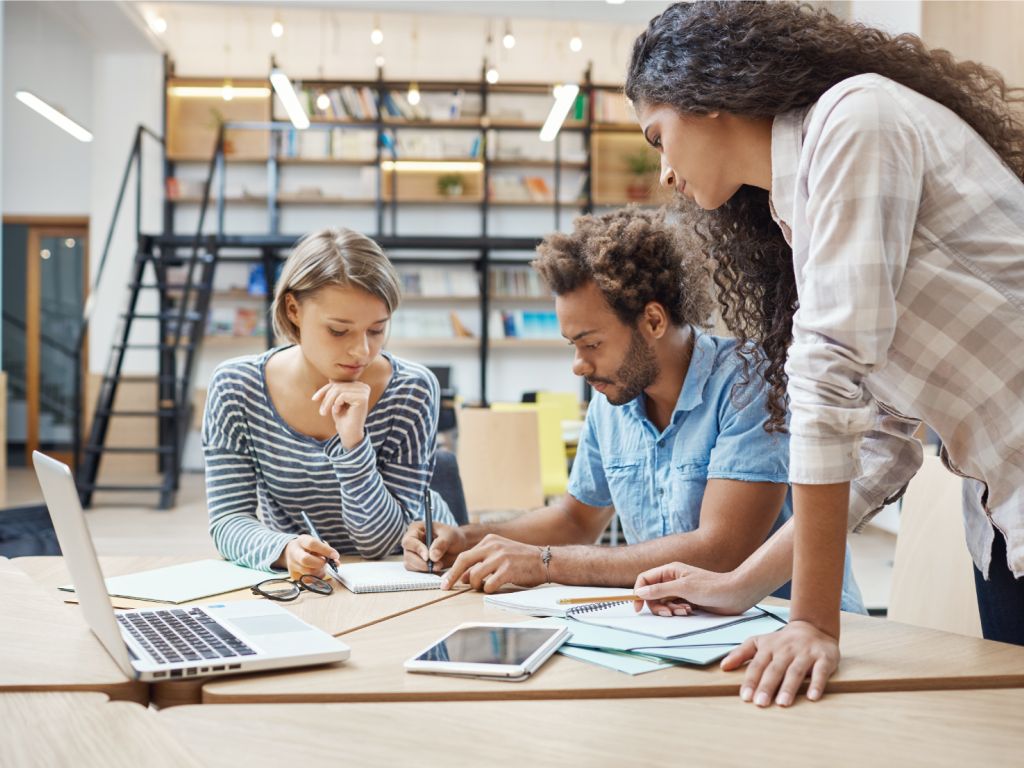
(908, 247)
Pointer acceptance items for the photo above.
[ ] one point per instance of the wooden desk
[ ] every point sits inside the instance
(337, 614)
(947, 728)
(878, 656)
(46, 647)
(48, 729)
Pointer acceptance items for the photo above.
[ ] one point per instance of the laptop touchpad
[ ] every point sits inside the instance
(270, 624)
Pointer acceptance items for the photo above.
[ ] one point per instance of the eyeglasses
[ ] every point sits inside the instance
(286, 590)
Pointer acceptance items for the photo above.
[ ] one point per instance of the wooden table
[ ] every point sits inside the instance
(337, 614)
(50, 729)
(945, 728)
(879, 655)
(46, 647)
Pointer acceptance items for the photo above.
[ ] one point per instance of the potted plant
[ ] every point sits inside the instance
(450, 184)
(642, 164)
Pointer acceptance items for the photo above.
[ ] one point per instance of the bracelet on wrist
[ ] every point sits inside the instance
(545, 557)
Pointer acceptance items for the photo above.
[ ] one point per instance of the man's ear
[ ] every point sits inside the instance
(655, 320)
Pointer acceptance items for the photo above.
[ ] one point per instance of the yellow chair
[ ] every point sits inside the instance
(568, 404)
(553, 471)
(499, 462)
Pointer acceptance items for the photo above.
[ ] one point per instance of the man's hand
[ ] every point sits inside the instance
(672, 589)
(782, 660)
(304, 555)
(448, 542)
(497, 561)
(347, 402)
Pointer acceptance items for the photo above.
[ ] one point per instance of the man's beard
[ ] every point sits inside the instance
(638, 371)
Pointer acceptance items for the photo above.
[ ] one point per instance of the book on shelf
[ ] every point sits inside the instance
(257, 283)
(427, 323)
(241, 322)
(612, 107)
(428, 281)
(517, 282)
(530, 324)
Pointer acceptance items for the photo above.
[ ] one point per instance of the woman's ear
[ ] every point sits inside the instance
(291, 309)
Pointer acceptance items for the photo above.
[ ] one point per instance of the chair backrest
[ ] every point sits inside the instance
(554, 471)
(499, 459)
(568, 404)
(448, 484)
(932, 576)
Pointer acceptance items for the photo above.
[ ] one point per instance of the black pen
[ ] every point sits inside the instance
(332, 565)
(428, 524)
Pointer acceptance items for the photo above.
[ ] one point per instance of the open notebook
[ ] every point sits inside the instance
(383, 577)
(543, 601)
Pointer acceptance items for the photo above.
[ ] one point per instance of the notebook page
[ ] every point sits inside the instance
(184, 582)
(543, 601)
(622, 616)
(384, 577)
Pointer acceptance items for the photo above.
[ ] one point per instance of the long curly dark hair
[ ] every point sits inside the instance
(761, 59)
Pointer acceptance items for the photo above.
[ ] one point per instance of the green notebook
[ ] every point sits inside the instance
(182, 583)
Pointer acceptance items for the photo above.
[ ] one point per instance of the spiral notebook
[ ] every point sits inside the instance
(543, 601)
(383, 577)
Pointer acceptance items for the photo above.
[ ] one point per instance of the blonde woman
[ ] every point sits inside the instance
(330, 425)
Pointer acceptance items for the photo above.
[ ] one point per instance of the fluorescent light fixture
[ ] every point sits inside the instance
(443, 166)
(277, 28)
(286, 93)
(492, 75)
(56, 117)
(156, 23)
(575, 44)
(565, 96)
(217, 91)
(615, 2)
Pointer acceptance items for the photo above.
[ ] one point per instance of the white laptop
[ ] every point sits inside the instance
(178, 642)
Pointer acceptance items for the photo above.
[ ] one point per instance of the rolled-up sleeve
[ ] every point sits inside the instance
(863, 166)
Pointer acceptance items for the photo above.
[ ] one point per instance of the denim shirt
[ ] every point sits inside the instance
(656, 480)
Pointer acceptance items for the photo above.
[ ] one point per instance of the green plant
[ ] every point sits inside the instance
(450, 184)
(642, 162)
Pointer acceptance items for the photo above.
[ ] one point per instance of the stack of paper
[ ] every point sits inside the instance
(613, 635)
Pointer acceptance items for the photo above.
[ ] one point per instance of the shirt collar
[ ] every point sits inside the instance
(787, 138)
(702, 363)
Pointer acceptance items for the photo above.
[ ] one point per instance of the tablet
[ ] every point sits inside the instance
(507, 651)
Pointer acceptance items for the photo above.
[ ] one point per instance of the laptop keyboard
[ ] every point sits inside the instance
(182, 634)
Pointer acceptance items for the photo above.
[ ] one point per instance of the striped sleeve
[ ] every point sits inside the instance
(231, 478)
(381, 495)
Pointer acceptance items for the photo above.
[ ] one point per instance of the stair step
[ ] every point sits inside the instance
(161, 449)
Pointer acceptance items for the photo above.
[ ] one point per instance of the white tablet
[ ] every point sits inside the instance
(507, 651)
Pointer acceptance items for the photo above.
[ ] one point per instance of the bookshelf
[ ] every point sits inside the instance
(374, 162)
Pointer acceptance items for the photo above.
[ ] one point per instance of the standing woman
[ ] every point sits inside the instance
(862, 198)
(330, 424)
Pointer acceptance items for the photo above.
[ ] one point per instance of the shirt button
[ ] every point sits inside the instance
(661, 491)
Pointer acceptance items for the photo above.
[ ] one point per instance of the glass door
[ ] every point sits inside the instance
(40, 336)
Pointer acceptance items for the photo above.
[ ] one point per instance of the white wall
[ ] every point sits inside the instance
(894, 16)
(45, 170)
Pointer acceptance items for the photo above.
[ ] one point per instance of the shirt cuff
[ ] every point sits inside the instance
(824, 460)
(356, 461)
(275, 545)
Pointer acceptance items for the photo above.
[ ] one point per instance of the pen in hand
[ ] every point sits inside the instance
(428, 528)
(331, 564)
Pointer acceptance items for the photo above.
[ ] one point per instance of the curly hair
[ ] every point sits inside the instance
(761, 59)
(634, 257)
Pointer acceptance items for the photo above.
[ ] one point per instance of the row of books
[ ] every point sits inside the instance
(516, 282)
(439, 281)
(236, 321)
(612, 107)
(349, 102)
(525, 324)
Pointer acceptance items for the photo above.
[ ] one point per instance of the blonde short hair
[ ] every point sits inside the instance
(333, 257)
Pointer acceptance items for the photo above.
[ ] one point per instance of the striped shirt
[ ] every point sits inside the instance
(907, 232)
(261, 474)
